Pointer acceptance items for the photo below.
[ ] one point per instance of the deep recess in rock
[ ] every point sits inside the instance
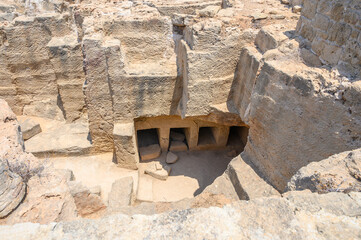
(143, 107)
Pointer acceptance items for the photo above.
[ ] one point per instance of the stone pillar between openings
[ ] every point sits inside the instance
(125, 146)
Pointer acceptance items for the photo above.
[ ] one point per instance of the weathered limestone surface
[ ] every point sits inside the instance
(303, 216)
(340, 172)
(26, 63)
(61, 140)
(247, 183)
(331, 29)
(297, 118)
(208, 55)
(12, 187)
(121, 194)
(245, 77)
(12, 190)
(25, 180)
(66, 57)
(87, 203)
(29, 128)
(125, 144)
(97, 92)
(49, 191)
(169, 60)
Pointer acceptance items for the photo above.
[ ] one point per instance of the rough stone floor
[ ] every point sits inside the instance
(193, 172)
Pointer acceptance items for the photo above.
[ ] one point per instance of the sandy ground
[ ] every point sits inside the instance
(189, 176)
(96, 170)
(193, 172)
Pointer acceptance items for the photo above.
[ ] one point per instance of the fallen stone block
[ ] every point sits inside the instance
(259, 16)
(161, 174)
(67, 139)
(209, 11)
(150, 152)
(247, 183)
(86, 202)
(171, 158)
(270, 37)
(297, 9)
(29, 128)
(121, 193)
(177, 136)
(177, 146)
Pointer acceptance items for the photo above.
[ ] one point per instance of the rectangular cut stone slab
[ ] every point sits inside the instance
(178, 146)
(65, 140)
(150, 152)
(145, 188)
(126, 153)
(247, 183)
(29, 128)
(121, 193)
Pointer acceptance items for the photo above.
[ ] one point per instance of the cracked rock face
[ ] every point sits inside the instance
(297, 88)
(12, 189)
(298, 215)
(338, 173)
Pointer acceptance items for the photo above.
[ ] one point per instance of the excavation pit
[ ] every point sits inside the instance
(204, 149)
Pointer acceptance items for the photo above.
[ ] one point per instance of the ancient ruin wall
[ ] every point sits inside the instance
(332, 30)
(41, 66)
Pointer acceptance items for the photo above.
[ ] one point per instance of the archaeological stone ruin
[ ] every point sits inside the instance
(180, 119)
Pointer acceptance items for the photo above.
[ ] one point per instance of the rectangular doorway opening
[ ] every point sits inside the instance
(147, 137)
(205, 136)
(237, 137)
(178, 139)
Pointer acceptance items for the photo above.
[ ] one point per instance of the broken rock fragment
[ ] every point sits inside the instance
(171, 158)
(161, 174)
(29, 128)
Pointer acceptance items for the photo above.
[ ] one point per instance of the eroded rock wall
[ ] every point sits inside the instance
(332, 31)
(155, 58)
(41, 65)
